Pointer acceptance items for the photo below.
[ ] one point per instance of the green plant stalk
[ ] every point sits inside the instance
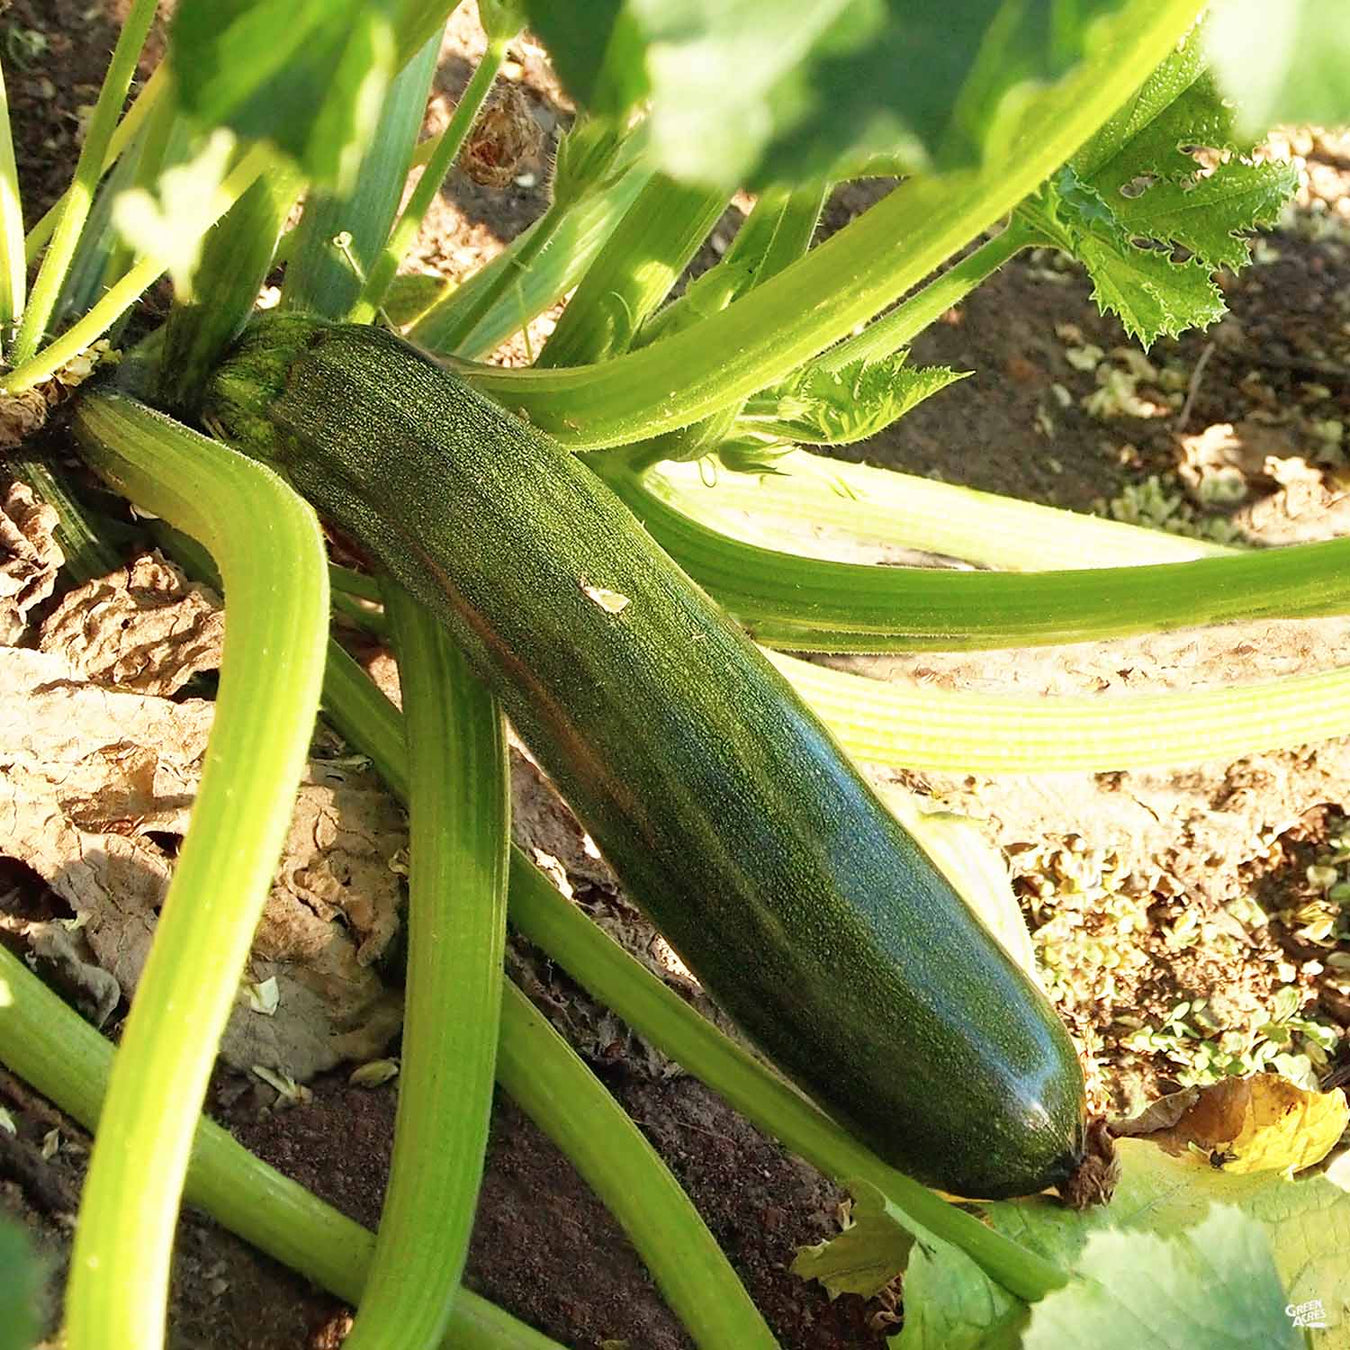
(946, 731)
(576, 234)
(907, 320)
(459, 833)
(196, 562)
(320, 279)
(87, 555)
(549, 1082)
(883, 506)
(145, 103)
(235, 259)
(127, 291)
(778, 231)
(63, 1057)
(463, 311)
(88, 170)
(271, 553)
(618, 981)
(814, 604)
(367, 719)
(853, 275)
(360, 615)
(166, 140)
(13, 269)
(443, 154)
(654, 242)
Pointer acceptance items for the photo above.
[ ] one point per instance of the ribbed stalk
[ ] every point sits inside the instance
(442, 156)
(52, 1047)
(850, 277)
(883, 506)
(559, 1093)
(271, 553)
(459, 833)
(88, 169)
(652, 245)
(813, 604)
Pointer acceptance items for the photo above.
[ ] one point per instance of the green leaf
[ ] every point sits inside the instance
(1146, 290)
(1134, 194)
(819, 406)
(1213, 1287)
(19, 1283)
(950, 1304)
(1283, 60)
(307, 75)
(596, 49)
(866, 1256)
(747, 92)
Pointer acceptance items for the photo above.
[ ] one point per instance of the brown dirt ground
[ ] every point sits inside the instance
(543, 1247)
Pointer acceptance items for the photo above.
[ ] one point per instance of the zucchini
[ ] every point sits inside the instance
(719, 799)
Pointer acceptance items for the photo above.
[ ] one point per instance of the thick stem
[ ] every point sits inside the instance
(271, 553)
(458, 838)
(907, 320)
(127, 291)
(52, 1047)
(548, 1080)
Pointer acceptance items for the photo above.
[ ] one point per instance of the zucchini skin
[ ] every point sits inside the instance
(719, 799)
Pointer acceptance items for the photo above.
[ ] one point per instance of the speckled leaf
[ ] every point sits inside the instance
(1213, 1287)
(1208, 216)
(1146, 290)
(821, 406)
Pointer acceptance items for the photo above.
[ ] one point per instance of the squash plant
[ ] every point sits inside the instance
(706, 777)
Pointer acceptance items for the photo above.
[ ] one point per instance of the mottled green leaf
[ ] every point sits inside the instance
(1145, 289)
(596, 49)
(1283, 60)
(749, 92)
(1213, 1287)
(867, 1255)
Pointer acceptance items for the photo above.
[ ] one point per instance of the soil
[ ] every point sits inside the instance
(1278, 369)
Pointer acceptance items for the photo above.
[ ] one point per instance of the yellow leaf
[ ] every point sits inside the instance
(1260, 1124)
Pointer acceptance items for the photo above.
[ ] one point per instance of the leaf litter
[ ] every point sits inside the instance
(100, 758)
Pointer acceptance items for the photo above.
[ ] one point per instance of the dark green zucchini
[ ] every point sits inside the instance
(721, 802)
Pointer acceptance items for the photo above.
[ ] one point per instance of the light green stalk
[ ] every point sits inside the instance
(128, 290)
(271, 553)
(459, 835)
(88, 170)
(855, 274)
(13, 269)
(145, 103)
(439, 160)
(52, 1047)
(559, 1093)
